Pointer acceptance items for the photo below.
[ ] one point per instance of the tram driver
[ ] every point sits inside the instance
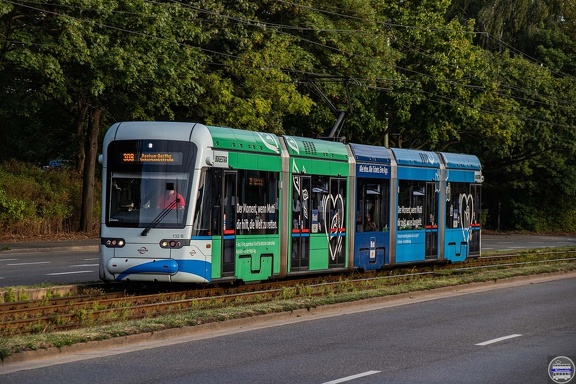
(170, 199)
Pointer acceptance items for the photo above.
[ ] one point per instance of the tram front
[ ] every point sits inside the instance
(148, 173)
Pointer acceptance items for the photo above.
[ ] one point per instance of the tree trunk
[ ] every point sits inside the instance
(81, 136)
(91, 149)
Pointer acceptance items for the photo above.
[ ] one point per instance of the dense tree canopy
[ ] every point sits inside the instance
(495, 78)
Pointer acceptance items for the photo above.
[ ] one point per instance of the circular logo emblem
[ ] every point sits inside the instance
(142, 250)
(561, 369)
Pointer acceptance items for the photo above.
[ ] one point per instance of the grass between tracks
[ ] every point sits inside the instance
(294, 298)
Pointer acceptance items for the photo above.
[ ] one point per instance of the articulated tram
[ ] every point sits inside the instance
(186, 202)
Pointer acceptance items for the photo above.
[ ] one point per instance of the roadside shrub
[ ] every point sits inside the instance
(36, 201)
(12, 210)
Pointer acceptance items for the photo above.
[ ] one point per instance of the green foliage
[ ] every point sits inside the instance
(12, 209)
(38, 201)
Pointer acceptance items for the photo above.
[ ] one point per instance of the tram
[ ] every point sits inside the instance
(186, 202)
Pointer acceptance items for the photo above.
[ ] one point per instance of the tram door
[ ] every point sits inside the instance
(336, 223)
(431, 216)
(301, 193)
(228, 221)
(475, 192)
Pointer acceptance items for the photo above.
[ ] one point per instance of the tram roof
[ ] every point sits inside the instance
(416, 157)
(134, 130)
(370, 153)
(460, 161)
(246, 141)
(322, 149)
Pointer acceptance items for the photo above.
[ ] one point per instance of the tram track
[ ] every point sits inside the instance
(53, 314)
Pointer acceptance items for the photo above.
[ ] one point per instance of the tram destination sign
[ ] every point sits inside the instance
(167, 158)
(373, 169)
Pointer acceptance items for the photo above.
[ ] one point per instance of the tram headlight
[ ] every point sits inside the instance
(174, 244)
(113, 243)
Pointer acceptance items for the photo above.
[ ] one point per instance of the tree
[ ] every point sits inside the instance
(541, 144)
(105, 60)
(351, 61)
(527, 103)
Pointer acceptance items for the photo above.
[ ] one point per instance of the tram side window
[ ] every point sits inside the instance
(215, 178)
(454, 194)
(258, 198)
(337, 202)
(219, 202)
(411, 195)
(230, 202)
(476, 191)
(372, 205)
(319, 191)
(462, 198)
(204, 205)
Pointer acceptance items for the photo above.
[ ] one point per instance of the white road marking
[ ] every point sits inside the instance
(35, 263)
(349, 378)
(67, 273)
(498, 339)
(82, 265)
(8, 259)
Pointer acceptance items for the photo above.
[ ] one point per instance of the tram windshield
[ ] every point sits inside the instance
(148, 189)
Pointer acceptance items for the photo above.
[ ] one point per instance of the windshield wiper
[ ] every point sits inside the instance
(160, 217)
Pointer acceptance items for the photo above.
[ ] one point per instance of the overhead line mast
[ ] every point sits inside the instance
(340, 114)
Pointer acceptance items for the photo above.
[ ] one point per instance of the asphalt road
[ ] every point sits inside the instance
(520, 241)
(42, 265)
(490, 334)
(76, 261)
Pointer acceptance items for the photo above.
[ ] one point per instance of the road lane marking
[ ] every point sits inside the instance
(349, 378)
(68, 273)
(83, 265)
(498, 339)
(35, 263)
(8, 259)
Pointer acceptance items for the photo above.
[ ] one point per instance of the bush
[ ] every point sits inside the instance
(36, 201)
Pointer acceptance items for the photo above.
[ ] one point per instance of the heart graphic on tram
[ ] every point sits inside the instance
(334, 219)
(465, 209)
